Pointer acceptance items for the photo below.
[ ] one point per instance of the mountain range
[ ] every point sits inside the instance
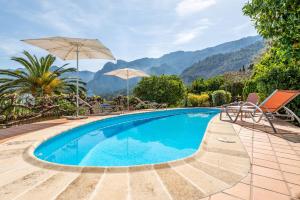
(189, 65)
(221, 63)
(181, 63)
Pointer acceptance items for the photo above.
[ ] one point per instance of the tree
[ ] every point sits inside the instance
(243, 69)
(198, 86)
(37, 78)
(161, 89)
(274, 71)
(214, 83)
(279, 68)
(277, 20)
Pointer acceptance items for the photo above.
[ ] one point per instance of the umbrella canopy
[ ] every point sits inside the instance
(126, 74)
(67, 48)
(73, 48)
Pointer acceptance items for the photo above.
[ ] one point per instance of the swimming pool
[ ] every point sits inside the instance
(129, 140)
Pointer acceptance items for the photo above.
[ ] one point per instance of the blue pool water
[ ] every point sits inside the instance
(128, 140)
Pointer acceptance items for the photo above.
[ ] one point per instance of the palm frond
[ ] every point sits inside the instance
(15, 74)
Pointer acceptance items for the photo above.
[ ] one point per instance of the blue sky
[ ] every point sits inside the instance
(130, 28)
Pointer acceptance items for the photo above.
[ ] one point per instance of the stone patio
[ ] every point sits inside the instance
(258, 165)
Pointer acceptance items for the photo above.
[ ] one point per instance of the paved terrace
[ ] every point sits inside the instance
(258, 165)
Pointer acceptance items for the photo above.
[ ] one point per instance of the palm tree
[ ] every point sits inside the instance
(37, 79)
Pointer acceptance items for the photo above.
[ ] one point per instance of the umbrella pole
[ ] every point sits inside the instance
(77, 90)
(127, 92)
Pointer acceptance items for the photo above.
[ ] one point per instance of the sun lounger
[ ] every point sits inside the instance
(268, 108)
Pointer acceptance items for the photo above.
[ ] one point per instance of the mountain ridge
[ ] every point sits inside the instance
(220, 63)
(171, 63)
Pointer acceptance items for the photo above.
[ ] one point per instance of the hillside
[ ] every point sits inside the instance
(85, 76)
(172, 63)
(221, 63)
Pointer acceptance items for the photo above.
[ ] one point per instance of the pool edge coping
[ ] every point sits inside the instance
(29, 157)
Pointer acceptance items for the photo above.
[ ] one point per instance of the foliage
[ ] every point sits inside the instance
(201, 85)
(37, 79)
(14, 108)
(198, 86)
(220, 97)
(275, 71)
(249, 87)
(69, 108)
(11, 107)
(279, 68)
(214, 83)
(94, 99)
(161, 89)
(277, 20)
(230, 81)
(198, 100)
(234, 83)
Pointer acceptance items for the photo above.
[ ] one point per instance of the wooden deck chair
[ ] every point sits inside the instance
(268, 108)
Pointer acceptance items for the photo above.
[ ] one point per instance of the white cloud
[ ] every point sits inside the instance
(188, 7)
(188, 35)
(182, 38)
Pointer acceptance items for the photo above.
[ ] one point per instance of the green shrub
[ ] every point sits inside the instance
(161, 89)
(67, 108)
(220, 97)
(140, 106)
(198, 100)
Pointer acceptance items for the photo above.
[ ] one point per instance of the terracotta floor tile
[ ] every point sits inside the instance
(289, 156)
(247, 179)
(292, 178)
(222, 196)
(264, 157)
(289, 168)
(248, 149)
(281, 146)
(288, 161)
(264, 151)
(255, 143)
(288, 151)
(247, 144)
(262, 194)
(240, 190)
(296, 148)
(249, 137)
(295, 190)
(263, 147)
(245, 133)
(294, 144)
(279, 141)
(244, 140)
(265, 163)
(267, 172)
(206, 198)
(261, 139)
(270, 184)
(259, 134)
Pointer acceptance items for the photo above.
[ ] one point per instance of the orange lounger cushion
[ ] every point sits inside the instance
(278, 99)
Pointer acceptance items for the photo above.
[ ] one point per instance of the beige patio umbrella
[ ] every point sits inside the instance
(73, 49)
(126, 74)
